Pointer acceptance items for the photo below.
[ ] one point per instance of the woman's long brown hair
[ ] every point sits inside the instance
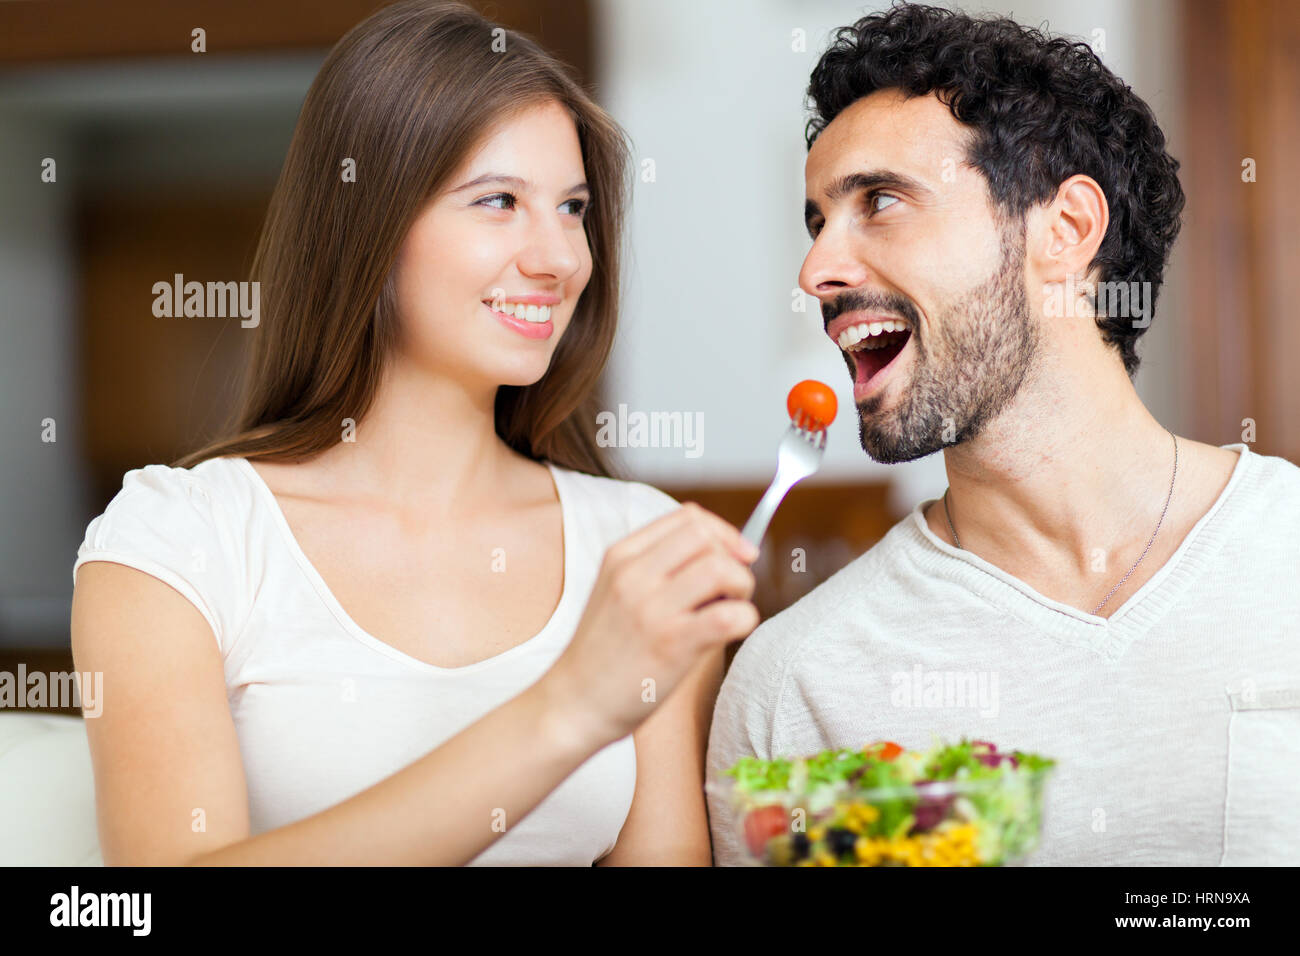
(406, 94)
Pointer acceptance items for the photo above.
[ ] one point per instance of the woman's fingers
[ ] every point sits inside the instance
(721, 623)
(679, 537)
(708, 576)
(727, 533)
(689, 513)
(664, 595)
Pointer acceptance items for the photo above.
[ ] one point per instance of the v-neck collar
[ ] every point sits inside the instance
(1056, 620)
(552, 627)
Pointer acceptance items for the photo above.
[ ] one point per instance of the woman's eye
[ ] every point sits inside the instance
(506, 199)
(579, 206)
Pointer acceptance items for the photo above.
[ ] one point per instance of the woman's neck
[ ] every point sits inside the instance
(427, 445)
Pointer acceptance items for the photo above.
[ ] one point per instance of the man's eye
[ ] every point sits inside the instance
(873, 200)
(579, 206)
(507, 201)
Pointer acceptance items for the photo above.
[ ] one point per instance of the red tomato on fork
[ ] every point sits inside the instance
(811, 405)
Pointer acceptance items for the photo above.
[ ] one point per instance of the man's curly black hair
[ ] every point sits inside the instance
(1040, 109)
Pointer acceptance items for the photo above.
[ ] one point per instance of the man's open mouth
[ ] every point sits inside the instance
(873, 346)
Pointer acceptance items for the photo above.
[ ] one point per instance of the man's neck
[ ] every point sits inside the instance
(1073, 469)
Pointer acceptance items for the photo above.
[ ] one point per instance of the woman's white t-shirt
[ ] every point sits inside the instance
(324, 710)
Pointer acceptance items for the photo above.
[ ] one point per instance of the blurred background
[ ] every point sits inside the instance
(165, 160)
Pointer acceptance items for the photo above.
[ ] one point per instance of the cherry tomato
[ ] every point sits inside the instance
(886, 749)
(763, 824)
(811, 405)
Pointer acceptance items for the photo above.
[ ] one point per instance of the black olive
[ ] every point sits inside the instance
(801, 845)
(841, 841)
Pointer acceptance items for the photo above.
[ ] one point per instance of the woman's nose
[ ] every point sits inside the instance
(550, 250)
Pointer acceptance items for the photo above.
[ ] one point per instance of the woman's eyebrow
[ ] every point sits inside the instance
(514, 182)
(856, 182)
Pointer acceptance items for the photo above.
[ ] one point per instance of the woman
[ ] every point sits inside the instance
(403, 615)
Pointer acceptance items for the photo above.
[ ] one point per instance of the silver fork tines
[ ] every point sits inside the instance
(798, 456)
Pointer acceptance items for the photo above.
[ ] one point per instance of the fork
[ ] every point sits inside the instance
(798, 456)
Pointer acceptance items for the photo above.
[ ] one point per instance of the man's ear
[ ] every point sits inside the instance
(1069, 230)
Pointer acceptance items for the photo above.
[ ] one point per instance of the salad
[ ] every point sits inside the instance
(963, 804)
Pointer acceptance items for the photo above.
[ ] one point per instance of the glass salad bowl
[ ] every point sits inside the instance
(964, 804)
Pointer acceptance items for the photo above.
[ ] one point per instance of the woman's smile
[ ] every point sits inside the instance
(529, 320)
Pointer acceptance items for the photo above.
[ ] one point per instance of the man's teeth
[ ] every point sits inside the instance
(855, 334)
(529, 313)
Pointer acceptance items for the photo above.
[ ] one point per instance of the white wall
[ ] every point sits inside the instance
(713, 93)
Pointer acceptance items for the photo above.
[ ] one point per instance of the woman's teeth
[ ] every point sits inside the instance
(862, 335)
(529, 313)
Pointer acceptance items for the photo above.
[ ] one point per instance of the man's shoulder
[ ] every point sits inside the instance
(857, 591)
(1264, 500)
(1280, 472)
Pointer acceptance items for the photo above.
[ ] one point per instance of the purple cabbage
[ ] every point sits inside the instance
(931, 809)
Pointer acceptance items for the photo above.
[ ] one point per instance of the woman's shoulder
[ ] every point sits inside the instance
(623, 502)
(184, 527)
(209, 491)
(172, 516)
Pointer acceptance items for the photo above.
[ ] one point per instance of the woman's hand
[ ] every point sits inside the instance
(665, 596)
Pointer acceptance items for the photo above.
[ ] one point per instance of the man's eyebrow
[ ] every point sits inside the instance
(857, 182)
(514, 182)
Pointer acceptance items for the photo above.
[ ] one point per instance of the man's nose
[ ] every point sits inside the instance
(832, 264)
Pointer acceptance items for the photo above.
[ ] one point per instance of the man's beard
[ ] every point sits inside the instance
(987, 344)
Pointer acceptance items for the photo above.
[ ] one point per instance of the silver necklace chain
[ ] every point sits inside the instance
(1168, 498)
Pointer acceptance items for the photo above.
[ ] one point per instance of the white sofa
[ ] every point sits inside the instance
(47, 792)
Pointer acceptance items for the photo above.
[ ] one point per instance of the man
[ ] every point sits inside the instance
(1090, 588)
